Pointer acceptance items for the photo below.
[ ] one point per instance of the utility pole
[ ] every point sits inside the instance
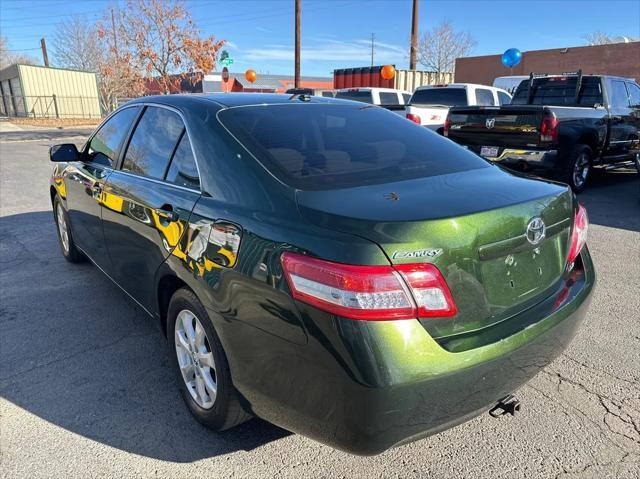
(45, 57)
(113, 31)
(373, 39)
(414, 37)
(296, 78)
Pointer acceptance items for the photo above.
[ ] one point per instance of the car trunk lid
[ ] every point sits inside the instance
(472, 226)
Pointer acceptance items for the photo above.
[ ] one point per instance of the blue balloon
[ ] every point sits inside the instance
(511, 57)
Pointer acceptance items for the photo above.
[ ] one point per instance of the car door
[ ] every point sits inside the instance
(621, 124)
(149, 199)
(84, 181)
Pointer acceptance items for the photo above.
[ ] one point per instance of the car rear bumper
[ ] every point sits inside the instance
(366, 386)
(534, 159)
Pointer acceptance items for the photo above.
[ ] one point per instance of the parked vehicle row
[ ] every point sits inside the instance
(326, 265)
(557, 125)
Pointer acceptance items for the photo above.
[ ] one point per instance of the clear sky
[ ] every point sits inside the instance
(337, 33)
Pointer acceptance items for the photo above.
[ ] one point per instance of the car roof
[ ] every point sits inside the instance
(235, 99)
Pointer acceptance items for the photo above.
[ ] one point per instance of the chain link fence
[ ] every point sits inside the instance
(52, 106)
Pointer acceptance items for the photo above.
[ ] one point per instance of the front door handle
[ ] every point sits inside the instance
(166, 212)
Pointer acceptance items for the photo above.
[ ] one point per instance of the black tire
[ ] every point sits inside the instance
(578, 168)
(69, 250)
(227, 410)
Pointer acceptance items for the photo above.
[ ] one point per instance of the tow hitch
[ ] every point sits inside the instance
(507, 405)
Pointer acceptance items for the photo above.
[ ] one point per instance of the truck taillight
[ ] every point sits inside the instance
(578, 234)
(414, 118)
(373, 293)
(447, 125)
(549, 129)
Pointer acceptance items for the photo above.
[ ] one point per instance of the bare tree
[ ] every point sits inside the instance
(601, 38)
(76, 45)
(9, 57)
(164, 41)
(438, 48)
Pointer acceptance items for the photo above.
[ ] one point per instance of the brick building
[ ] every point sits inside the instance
(622, 59)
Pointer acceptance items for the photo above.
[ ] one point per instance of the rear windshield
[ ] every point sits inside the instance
(559, 91)
(323, 146)
(440, 96)
(356, 95)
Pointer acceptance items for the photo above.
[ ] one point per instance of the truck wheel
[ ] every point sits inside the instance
(201, 365)
(578, 167)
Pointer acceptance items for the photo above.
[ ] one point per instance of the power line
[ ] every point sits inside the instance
(20, 49)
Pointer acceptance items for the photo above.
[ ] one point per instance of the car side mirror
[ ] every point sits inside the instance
(65, 152)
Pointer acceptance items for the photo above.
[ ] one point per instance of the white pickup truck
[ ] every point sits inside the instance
(394, 100)
(429, 105)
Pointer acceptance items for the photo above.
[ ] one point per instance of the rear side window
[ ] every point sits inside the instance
(440, 96)
(484, 97)
(406, 97)
(389, 98)
(503, 98)
(153, 142)
(326, 146)
(356, 95)
(559, 91)
(183, 170)
(105, 144)
(619, 95)
(328, 94)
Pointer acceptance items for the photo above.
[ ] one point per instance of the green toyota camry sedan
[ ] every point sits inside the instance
(326, 265)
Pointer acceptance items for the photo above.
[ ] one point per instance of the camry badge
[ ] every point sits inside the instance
(490, 123)
(420, 253)
(536, 230)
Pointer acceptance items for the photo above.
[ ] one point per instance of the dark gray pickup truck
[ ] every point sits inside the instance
(558, 126)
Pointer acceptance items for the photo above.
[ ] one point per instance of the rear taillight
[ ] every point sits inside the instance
(372, 293)
(578, 234)
(413, 118)
(549, 129)
(447, 125)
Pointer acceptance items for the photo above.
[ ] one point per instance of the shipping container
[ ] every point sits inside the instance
(407, 80)
(31, 90)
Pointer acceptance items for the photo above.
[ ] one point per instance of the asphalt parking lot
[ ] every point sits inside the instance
(86, 390)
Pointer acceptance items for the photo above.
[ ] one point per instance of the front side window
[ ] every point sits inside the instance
(153, 142)
(183, 170)
(484, 97)
(503, 98)
(634, 94)
(327, 146)
(619, 96)
(105, 144)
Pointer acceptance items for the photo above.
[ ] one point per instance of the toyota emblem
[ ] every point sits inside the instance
(536, 230)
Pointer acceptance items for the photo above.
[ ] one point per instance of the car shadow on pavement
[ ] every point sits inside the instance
(76, 352)
(613, 199)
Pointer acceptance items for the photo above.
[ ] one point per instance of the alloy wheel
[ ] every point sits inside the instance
(62, 228)
(581, 170)
(195, 359)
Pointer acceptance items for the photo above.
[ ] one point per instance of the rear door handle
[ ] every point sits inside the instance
(166, 212)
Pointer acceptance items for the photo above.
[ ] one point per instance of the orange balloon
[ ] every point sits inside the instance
(250, 75)
(388, 72)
